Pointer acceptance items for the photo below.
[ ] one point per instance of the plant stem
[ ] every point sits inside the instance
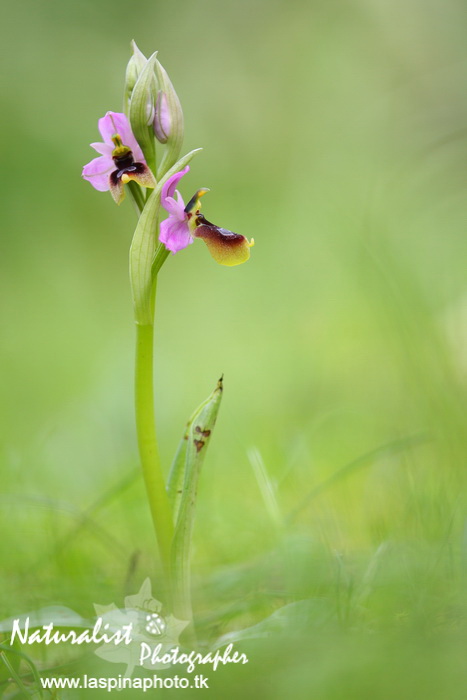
(147, 443)
(138, 196)
(160, 257)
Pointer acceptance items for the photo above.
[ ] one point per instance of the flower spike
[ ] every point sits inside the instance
(137, 148)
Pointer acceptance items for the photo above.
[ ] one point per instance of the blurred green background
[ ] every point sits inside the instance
(334, 133)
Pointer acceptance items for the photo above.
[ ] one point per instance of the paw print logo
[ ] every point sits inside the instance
(155, 624)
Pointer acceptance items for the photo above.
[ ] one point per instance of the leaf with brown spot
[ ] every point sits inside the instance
(199, 430)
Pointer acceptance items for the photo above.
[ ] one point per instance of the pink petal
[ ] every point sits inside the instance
(117, 123)
(162, 120)
(97, 173)
(109, 125)
(164, 115)
(103, 148)
(175, 208)
(175, 235)
(169, 187)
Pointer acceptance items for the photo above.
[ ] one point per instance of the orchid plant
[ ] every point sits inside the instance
(140, 154)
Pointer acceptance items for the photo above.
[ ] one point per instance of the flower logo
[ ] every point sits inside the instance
(143, 613)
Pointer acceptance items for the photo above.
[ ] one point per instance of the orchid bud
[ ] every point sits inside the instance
(168, 120)
(141, 110)
(162, 121)
(133, 70)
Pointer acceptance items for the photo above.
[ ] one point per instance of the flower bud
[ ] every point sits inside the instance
(133, 70)
(162, 121)
(141, 110)
(168, 120)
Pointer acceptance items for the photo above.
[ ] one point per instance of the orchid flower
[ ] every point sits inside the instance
(121, 158)
(185, 223)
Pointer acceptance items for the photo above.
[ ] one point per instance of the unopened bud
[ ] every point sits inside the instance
(162, 121)
(168, 119)
(141, 110)
(133, 70)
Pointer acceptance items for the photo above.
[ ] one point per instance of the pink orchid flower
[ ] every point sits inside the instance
(121, 158)
(185, 223)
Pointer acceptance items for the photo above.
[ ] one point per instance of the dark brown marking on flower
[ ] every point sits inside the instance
(114, 179)
(222, 236)
(132, 169)
(123, 158)
(199, 444)
(204, 433)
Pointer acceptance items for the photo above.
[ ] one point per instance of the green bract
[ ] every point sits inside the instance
(142, 110)
(144, 255)
(133, 70)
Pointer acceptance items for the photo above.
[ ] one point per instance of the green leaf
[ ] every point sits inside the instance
(14, 675)
(5, 671)
(266, 486)
(178, 468)
(290, 619)
(183, 488)
(143, 249)
(11, 659)
(177, 474)
(58, 614)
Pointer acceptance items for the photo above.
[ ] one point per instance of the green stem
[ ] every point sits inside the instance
(137, 195)
(160, 257)
(147, 443)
